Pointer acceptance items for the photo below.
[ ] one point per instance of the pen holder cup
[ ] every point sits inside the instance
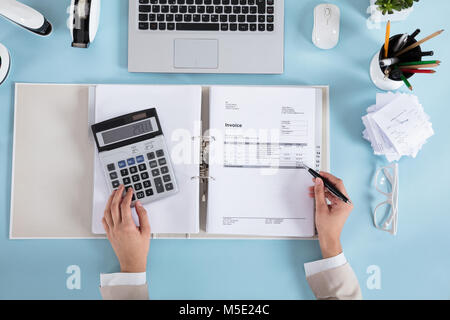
(393, 82)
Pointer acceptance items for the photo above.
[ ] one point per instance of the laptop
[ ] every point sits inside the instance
(206, 36)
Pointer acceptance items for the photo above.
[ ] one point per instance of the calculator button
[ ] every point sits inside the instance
(147, 184)
(124, 172)
(155, 172)
(137, 186)
(122, 164)
(140, 159)
(169, 186)
(133, 170)
(162, 161)
(153, 164)
(140, 195)
(130, 161)
(111, 167)
(142, 167)
(151, 155)
(135, 178)
(164, 170)
(115, 184)
(113, 175)
(159, 153)
(144, 175)
(126, 180)
(127, 187)
(149, 192)
(159, 185)
(133, 198)
(166, 178)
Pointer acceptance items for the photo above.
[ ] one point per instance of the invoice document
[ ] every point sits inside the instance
(260, 138)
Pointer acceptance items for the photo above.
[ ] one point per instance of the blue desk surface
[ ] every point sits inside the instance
(414, 265)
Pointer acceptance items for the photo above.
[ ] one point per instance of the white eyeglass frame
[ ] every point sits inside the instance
(390, 225)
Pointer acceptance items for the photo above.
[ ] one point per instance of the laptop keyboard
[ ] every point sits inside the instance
(207, 15)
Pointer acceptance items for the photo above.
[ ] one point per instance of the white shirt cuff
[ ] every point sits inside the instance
(324, 264)
(123, 279)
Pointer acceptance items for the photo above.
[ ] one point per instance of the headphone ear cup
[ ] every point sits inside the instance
(5, 63)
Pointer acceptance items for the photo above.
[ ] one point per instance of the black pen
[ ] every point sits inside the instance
(415, 33)
(328, 185)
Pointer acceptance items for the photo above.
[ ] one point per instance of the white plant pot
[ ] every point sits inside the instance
(377, 16)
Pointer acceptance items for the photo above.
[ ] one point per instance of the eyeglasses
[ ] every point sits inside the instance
(386, 183)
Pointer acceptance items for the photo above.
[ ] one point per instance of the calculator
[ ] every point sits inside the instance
(133, 152)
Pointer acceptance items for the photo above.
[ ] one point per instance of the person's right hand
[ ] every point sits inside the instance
(330, 218)
(130, 243)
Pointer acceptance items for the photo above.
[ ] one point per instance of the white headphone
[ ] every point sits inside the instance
(5, 63)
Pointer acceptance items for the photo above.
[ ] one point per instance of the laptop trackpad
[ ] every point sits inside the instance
(196, 53)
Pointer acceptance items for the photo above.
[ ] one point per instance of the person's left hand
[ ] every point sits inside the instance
(130, 243)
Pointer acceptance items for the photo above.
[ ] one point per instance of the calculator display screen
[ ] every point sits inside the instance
(126, 132)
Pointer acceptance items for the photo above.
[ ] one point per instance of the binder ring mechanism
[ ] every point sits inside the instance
(204, 168)
(203, 177)
(204, 138)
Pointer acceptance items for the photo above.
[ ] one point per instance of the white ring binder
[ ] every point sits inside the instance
(76, 96)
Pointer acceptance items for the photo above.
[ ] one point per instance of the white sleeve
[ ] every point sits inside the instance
(324, 264)
(123, 279)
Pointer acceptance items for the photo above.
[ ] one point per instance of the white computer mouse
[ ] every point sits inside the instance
(327, 19)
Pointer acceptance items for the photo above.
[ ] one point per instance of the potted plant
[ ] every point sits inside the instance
(394, 10)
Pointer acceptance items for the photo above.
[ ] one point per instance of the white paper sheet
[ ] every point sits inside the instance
(397, 125)
(405, 125)
(179, 111)
(262, 136)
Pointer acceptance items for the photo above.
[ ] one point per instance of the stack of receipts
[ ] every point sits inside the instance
(397, 126)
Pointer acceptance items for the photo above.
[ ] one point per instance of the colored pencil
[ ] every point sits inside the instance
(419, 62)
(418, 43)
(406, 81)
(420, 66)
(417, 71)
(386, 41)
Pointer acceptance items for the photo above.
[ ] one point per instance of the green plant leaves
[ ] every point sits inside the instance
(389, 6)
